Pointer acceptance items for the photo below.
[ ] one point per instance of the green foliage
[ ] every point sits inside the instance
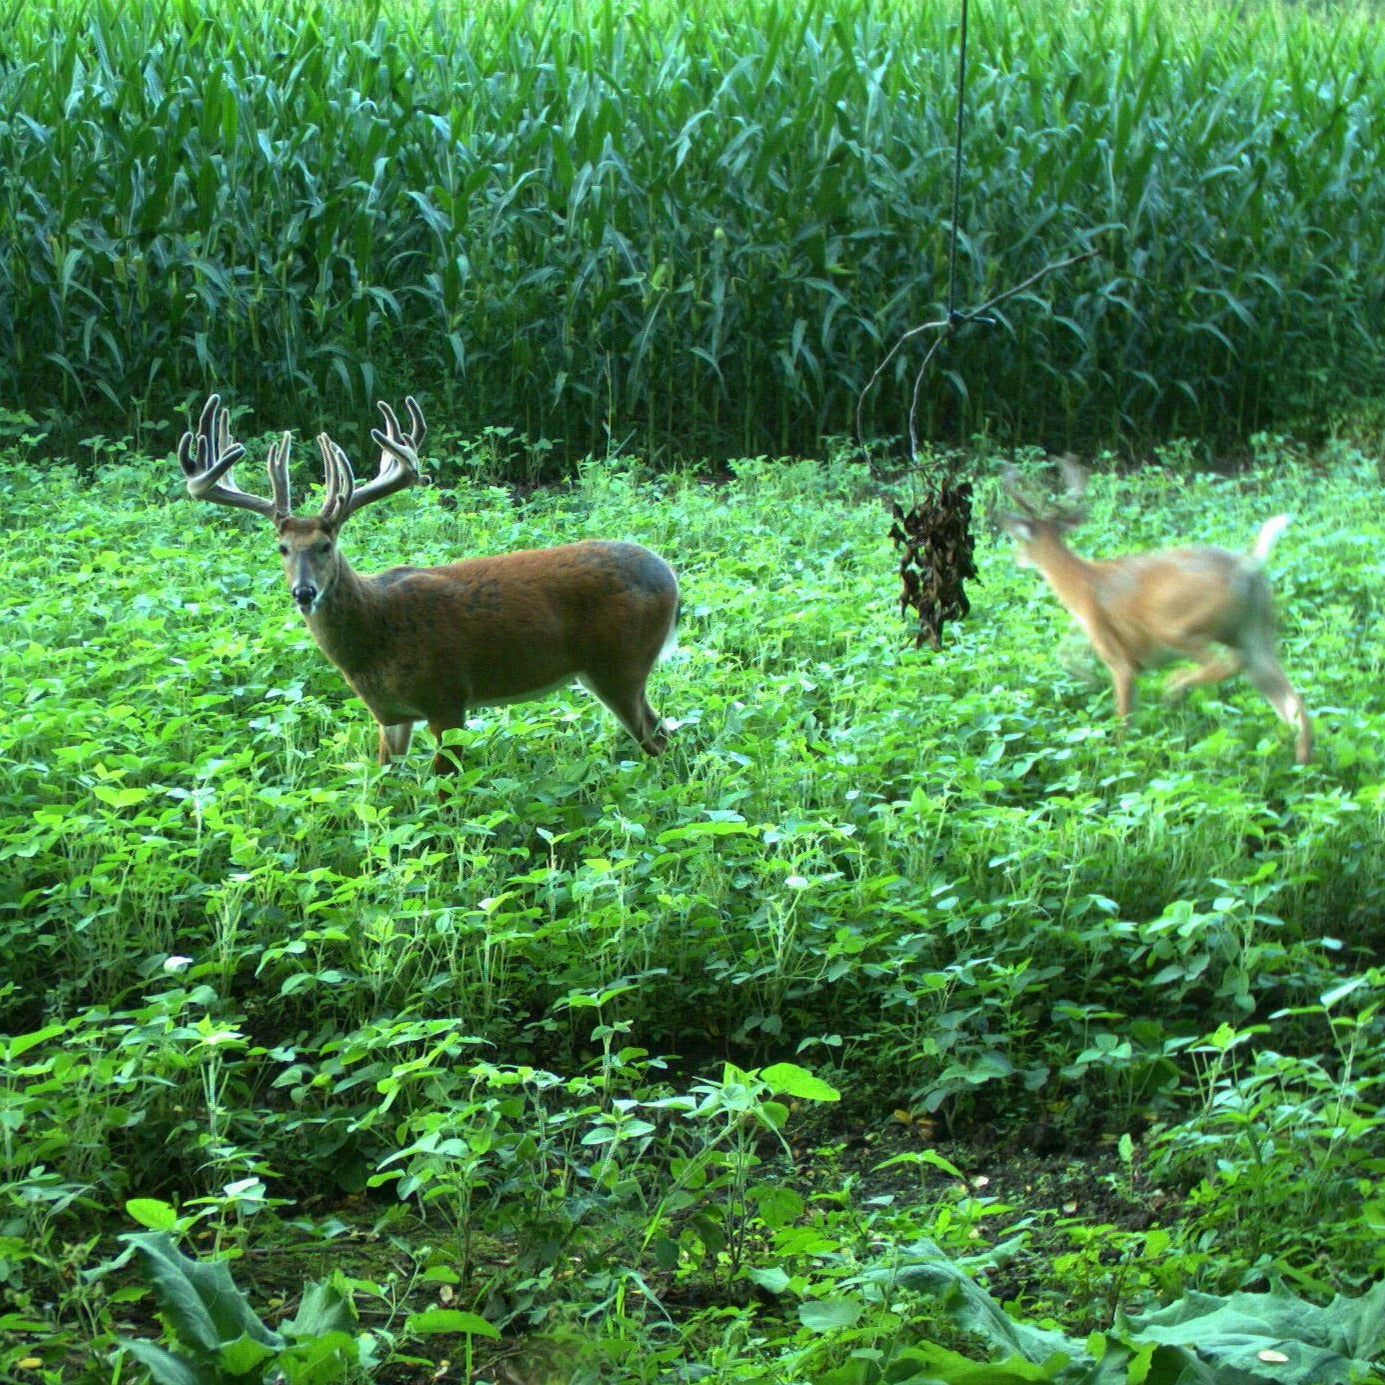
(222, 1339)
(599, 224)
(565, 1046)
(1289, 1135)
(1199, 1340)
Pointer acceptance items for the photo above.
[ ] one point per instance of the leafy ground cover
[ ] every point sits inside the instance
(899, 1019)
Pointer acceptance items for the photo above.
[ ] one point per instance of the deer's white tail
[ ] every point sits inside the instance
(1270, 530)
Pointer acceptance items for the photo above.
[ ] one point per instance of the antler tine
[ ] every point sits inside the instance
(1013, 485)
(207, 457)
(398, 456)
(1074, 508)
(337, 502)
(198, 451)
(221, 428)
(418, 429)
(277, 465)
(399, 449)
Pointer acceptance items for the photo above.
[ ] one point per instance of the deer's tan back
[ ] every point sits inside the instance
(1180, 596)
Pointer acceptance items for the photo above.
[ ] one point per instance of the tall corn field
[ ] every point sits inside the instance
(691, 229)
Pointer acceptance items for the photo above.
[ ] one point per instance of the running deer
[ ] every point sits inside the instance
(1145, 609)
(427, 644)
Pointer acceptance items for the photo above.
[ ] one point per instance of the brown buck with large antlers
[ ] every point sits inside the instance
(1145, 609)
(427, 644)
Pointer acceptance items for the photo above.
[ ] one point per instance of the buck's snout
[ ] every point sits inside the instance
(305, 595)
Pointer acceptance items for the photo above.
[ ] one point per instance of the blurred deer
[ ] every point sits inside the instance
(427, 644)
(1145, 609)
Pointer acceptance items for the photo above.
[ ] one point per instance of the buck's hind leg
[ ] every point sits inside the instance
(394, 740)
(652, 739)
(1122, 685)
(631, 708)
(447, 758)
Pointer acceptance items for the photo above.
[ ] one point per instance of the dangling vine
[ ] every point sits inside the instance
(935, 535)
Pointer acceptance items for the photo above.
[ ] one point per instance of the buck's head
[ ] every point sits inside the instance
(1037, 530)
(308, 545)
(308, 548)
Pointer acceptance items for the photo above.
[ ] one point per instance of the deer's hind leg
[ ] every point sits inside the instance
(1269, 677)
(447, 758)
(394, 740)
(1123, 673)
(1262, 666)
(631, 707)
(1210, 668)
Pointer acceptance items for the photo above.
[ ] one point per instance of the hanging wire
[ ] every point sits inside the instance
(954, 318)
(957, 165)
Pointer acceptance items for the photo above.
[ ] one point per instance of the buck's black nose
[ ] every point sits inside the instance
(305, 595)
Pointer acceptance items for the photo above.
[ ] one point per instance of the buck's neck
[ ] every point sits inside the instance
(348, 623)
(1071, 576)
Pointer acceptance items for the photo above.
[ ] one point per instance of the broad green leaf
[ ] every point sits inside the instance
(324, 1308)
(776, 1204)
(788, 1079)
(830, 1314)
(939, 1363)
(204, 1308)
(772, 1279)
(167, 1369)
(241, 1357)
(22, 1043)
(150, 1212)
(923, 1265)
(122, 797)
(324, 1359)
(1322, 1345)
(450, 1320)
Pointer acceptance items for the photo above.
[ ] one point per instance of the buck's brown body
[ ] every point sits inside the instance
(1146, 609)
(428, 643)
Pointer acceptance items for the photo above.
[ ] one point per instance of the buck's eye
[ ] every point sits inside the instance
(323, 547)
(283, 550)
